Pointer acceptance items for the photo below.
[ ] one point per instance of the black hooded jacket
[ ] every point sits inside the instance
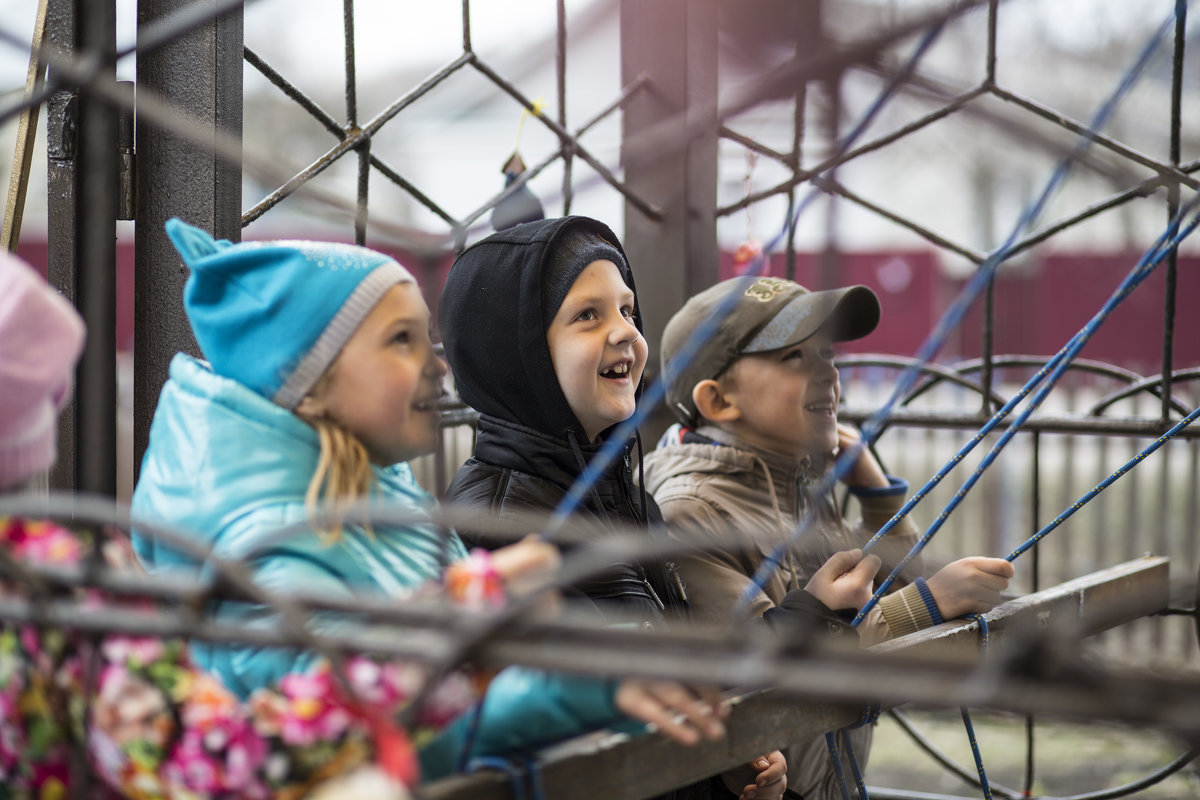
(530, 447)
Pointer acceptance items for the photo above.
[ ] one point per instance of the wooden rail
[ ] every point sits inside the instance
(606, 765)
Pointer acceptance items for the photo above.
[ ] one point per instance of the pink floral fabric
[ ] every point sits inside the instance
(154, 727)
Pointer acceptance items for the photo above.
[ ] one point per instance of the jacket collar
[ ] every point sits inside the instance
(709, 449)
(517, 447)
(807, 471)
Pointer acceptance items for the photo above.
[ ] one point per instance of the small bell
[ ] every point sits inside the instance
(520, 206)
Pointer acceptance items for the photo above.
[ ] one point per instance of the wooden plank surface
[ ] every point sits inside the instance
(604, 765)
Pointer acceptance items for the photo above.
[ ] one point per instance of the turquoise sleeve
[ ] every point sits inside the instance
(524, 709)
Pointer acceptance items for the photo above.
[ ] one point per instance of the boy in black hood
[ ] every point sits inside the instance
(543, 334)
(498, 315)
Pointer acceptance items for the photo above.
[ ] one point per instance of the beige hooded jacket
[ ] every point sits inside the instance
(738, 503)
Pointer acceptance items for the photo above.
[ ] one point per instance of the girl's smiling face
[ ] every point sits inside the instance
(597, 350)
(385, 384)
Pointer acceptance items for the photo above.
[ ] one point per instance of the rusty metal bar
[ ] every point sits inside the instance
(987, 371)
(333, 126)
(1167, 173)
(466, 26)
(909, 418)
(832, 187)
(627, 93)
(993, 6)
(351, 77)
(726, 132)
(1144, 189)
(804, 175)
(1168, 347)
(351, 140)
(293, 93)
(532, 172)
(363, 150)
(826, 62)
(640, 203)
(1154, 385)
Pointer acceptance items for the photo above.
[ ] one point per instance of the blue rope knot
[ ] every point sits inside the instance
(869, 716)
(524, 772)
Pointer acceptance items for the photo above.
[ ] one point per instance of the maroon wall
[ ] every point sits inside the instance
(1040, 303)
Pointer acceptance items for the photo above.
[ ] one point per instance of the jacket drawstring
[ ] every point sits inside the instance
(637, 435)
(779, 517)
(582, 464)
(600, 508)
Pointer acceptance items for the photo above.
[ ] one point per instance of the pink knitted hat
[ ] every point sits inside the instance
(41, 336)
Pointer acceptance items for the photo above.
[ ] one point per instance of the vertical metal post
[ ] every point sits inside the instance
(201, 72)
(96, 214)
(363, 151)
(673, 43)
(62, 120)
(81, 175)
(1172, 279)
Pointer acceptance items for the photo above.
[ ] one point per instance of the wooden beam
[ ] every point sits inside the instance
(604, 765)
(1084, 606)
(18, 182)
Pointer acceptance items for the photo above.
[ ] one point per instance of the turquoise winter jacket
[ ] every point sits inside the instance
(233, 467)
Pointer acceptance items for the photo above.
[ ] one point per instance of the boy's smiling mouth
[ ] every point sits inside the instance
(617, 371)
(826, 407)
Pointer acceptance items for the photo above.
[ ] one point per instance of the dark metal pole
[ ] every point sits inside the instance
(1172, 278)
(674, 44)
(96, 293)
(81, 176)
(62, 122)
(201, 73)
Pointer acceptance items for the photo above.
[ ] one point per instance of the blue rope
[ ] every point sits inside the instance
(504, 765)
(957, 311)
(1055, 367)
(869, 716)
(831, 743)
(855, 770)
(983, 779)
(655, 393)
(1104, 484)
(525, 776)
(472, 733)
(984, 636)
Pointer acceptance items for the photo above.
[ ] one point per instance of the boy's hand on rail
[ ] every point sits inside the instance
(970, 585)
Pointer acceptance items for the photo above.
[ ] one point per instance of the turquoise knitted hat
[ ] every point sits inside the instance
(274, 315)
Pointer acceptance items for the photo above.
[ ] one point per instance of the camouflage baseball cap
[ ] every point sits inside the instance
(767, 314)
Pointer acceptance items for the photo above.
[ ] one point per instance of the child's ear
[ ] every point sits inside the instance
(712, 402)
(310, 407)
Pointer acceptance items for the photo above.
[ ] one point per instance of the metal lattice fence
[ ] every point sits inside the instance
(795, 125)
